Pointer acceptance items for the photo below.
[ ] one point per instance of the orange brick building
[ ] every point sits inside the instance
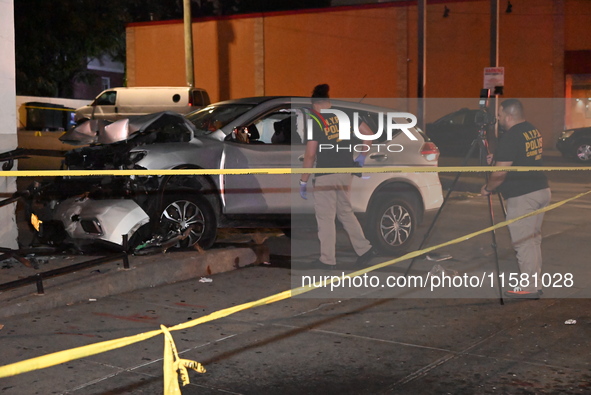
(371, 51)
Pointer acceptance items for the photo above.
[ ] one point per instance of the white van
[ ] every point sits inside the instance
(116, 103)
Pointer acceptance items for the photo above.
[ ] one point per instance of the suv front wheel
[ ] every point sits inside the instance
(190, 215)
(392, 224)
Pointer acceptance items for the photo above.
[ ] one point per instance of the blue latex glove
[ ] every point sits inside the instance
(304, 190)
(360, 160)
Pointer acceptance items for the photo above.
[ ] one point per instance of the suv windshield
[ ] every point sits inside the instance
(212, 118)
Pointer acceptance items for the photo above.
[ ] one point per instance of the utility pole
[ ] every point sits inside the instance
(494, 33)
(188, 25)
(494, 62)
(422, 69)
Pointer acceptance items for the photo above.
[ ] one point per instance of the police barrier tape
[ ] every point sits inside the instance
(51, 108)
(172, 364)
(336, 170)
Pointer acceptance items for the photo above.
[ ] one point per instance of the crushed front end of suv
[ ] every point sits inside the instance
(182, 209)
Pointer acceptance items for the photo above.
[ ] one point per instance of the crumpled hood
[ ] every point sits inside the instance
(105, 132)
(112, 144)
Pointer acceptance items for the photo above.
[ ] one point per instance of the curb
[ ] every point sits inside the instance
(145, 272)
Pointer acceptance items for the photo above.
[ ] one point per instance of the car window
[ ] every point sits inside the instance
(212, 118)
(283, 126)
(372, 119)
(470, 119)
(457, 118)
(280, 126)
(167, 130)
(265, 125)
(197, 98)
(106, 99)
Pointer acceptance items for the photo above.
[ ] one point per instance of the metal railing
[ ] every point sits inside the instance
(39, 277)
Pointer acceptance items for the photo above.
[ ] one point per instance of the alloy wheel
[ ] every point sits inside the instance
(182, 214)
(396, 225)
(584, 152)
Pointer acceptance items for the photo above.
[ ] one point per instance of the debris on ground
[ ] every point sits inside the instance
(439, 270)
(199, 249)
(205, 280)
(161, 244)
(437, 257)
(259, 238)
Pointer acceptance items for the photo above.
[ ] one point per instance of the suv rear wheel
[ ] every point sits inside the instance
(392, 224)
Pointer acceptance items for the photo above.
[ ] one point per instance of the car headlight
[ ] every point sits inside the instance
(36, 222)
(566, 134)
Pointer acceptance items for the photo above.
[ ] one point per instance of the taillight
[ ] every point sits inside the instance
(430, 151)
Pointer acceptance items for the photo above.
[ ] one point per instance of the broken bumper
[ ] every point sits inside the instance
(108, 220)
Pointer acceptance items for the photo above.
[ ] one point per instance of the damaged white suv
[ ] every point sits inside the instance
(182, 210)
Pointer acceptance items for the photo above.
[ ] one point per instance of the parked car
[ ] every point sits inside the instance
(576, 144)
(118, 103)
(453, 133)
(183, 210)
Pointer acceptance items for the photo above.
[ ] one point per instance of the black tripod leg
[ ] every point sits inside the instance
(494, 246)
(483, 161)
(449, 191)
(503, 208)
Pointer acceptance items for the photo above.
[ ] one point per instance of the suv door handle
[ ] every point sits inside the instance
(379, 157)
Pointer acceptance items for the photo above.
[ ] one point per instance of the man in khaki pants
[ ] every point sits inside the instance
(525, 192)
(332, 191)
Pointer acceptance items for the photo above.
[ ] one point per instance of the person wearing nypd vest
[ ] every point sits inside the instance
(332, 191)
(521, 145)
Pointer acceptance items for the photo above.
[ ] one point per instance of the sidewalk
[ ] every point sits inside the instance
(111, 278)
(309, 346)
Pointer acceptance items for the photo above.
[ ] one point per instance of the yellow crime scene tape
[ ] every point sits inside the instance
(389, 169)
(51, 108)
(38, 133)
(172, 364)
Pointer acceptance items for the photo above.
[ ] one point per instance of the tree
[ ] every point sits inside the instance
(245, 6)
(56, 39)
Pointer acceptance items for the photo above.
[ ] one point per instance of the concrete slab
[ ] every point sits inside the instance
(311, 345)
(544, 338)
(278, 360)
(43, 382)
(440, 324)
(469, 374)
(110, 279)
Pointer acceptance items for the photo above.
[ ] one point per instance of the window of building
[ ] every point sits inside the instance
(106, 83)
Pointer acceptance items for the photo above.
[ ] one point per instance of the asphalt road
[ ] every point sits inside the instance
(367, 342)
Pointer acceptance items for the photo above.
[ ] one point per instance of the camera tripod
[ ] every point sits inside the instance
(480, 143)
